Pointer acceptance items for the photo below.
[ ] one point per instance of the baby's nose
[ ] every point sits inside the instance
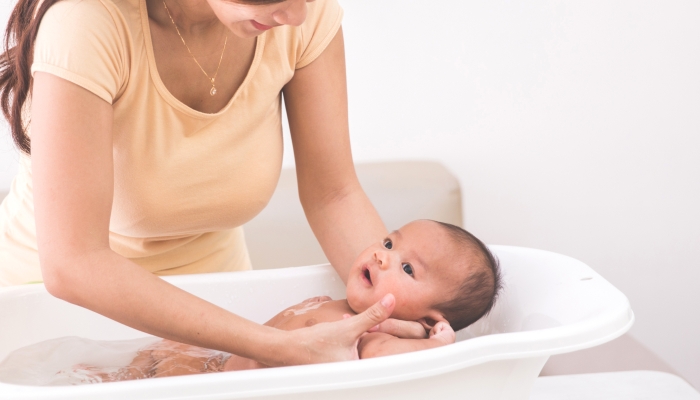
(382, 259)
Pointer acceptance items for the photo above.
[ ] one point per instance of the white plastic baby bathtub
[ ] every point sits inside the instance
(551, 304)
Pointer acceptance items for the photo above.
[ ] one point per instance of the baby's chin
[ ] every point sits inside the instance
(355, 304)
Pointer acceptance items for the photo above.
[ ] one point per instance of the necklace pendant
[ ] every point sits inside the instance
(212, 91)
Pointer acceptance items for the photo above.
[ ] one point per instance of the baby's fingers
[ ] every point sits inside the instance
(439, 327)
(443, 332)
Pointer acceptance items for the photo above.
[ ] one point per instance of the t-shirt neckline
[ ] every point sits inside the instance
(160, 86)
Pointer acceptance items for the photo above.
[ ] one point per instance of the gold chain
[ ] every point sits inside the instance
(211, 80)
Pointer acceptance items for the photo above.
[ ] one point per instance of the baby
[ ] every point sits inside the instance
(441, 276)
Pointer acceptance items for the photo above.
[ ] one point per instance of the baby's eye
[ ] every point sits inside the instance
(388, 244)
(407, 268)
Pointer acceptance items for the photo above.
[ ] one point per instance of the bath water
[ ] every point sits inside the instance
(76, 361)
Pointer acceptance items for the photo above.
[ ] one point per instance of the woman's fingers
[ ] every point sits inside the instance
(403, 329)
(374, 315)
(335, 341)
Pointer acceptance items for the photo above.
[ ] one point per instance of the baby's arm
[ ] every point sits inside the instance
(378, 344)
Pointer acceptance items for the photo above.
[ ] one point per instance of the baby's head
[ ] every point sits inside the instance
(436, 271)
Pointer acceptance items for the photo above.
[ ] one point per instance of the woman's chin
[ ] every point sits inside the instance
(244, 33)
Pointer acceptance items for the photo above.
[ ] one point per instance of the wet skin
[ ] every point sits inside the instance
(324, 309)
(168, 358)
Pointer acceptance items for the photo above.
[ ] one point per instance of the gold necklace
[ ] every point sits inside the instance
(211, 80)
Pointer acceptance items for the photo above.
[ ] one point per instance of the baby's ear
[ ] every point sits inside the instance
(427, 323)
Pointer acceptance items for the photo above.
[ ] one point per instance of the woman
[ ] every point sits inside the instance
(155, 134)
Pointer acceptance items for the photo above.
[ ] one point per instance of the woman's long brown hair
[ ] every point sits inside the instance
(16, 62)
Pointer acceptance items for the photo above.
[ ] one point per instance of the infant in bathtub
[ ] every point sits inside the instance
(441, 276)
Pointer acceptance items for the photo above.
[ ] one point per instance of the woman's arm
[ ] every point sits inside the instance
(72, 169)
(339, 212)
(72, 175)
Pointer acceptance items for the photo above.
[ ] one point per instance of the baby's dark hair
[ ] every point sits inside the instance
(477, 294)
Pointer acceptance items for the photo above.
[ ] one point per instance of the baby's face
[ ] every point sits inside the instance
(417, 264)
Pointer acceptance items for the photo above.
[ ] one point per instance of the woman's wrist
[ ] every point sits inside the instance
(268, 346)
(280, 349)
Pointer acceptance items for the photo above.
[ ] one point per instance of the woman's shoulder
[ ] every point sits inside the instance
(321, 11)
(95, 19)
(307, 41)
(87, 42)
(85, 10)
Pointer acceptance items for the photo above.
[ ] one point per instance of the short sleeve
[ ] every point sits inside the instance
(82, 42)
(322, 23)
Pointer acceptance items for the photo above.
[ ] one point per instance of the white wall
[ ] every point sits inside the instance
(572, 127)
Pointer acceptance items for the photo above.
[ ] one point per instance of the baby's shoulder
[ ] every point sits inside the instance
(336, 309)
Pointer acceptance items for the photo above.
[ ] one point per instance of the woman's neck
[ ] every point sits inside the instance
(193, 17)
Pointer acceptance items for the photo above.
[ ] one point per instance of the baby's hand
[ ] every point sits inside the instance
(443, 332)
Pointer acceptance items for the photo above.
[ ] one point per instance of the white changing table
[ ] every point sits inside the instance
(624, 385)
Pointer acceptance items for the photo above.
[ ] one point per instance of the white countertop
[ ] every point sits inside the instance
(625, 385)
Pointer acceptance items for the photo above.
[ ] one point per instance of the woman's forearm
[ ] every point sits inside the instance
(111, 285)
(340, 214)
(344, 223)
(117, 288)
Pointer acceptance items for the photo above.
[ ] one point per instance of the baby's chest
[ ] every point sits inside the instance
(291, 319)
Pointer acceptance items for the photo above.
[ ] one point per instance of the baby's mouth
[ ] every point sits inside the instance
(367, 275)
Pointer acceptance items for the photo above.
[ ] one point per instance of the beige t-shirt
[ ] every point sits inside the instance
(184, 181)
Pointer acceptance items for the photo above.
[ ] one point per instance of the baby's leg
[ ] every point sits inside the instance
(238, 363)
(140, 367)
(175, 359)
(176, 366)
(88, 373)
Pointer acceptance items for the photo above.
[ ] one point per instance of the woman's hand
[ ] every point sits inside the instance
(402, 329)
(335, 341)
